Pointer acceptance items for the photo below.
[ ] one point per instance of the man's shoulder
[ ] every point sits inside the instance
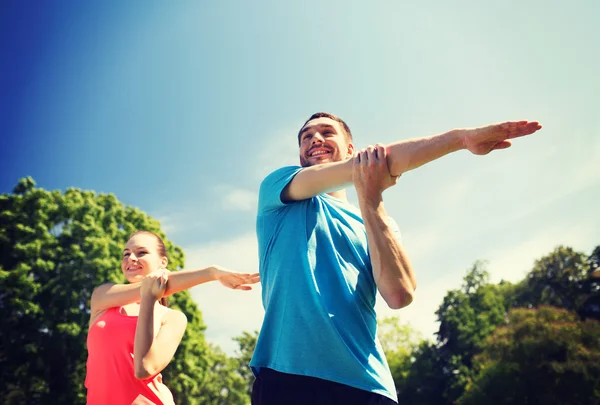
(281, 172)
(278, 179)
(269, 194)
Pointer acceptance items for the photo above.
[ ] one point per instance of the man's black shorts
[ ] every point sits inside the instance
(275, 388)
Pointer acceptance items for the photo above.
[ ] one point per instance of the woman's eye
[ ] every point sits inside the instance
(125, 255)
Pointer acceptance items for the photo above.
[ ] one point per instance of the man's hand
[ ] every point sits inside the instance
(481, 141)
(370, 172)
(154, 285)
(236, 281)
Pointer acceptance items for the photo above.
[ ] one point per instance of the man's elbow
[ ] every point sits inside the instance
(399, 299)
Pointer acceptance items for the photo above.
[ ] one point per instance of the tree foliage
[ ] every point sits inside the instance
(559, 279)
(398, 341)
(425, 381)
(467, 317)
(247, 344)
(441, 373)
(55, 248)
(543, 356)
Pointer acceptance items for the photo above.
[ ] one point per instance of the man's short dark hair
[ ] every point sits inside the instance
(345, 126)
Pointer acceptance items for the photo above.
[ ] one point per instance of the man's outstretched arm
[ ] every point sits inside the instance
(406, 155)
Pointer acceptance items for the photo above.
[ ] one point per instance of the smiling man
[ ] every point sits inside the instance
(322, 261)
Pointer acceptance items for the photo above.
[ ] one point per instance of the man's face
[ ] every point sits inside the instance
(323, 140)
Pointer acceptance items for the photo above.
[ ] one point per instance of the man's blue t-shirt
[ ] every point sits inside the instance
(318, 290)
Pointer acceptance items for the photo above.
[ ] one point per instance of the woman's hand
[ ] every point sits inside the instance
(236, 281)
(154, 285)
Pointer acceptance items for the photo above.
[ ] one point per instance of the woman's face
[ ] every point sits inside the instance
(141, 257)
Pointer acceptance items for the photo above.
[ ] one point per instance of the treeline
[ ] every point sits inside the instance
(533, 342)
(537, 341)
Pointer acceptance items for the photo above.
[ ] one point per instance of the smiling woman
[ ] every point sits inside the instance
(138, 258)
(133, 335)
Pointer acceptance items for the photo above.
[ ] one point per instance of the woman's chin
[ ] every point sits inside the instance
(134, 278)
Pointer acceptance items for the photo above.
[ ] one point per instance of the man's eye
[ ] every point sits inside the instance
(125, 255)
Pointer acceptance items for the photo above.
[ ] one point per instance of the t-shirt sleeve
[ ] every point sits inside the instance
(269, 196)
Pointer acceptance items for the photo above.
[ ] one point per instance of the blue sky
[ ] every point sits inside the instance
(181, 109)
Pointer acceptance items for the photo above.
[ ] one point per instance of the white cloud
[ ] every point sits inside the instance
(227, 313)
(277, 150)
(511, 263)
(237, 199)
(167, 223)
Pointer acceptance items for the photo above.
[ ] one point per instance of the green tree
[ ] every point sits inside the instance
(223, 384)
(247, 344)
(399, 341)
(559, 279)
(467, 317)
(426, 382)
(55, 248)
(543, 356)
(591, 306)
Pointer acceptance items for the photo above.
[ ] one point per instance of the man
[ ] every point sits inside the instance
(322, 261)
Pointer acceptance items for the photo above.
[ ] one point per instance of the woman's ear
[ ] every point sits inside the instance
(163, 262)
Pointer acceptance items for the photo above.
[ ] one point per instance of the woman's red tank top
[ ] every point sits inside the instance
(110, 378)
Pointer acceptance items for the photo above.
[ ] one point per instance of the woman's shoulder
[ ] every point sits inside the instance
(171, 314)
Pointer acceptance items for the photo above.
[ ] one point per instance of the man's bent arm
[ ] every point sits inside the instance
(392, 270)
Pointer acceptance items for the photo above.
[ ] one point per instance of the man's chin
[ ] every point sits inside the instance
(314, 162)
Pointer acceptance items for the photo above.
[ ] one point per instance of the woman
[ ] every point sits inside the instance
(132, 336)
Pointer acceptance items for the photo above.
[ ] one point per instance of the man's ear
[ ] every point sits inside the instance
(350, 151)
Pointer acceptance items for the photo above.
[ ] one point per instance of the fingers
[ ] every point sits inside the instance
(160, 283)
(242, 287)
(371, 175)
(248, 278)
(502, 145)
(517, 129)
(154, 285)
(240, 281)
(371, 155)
